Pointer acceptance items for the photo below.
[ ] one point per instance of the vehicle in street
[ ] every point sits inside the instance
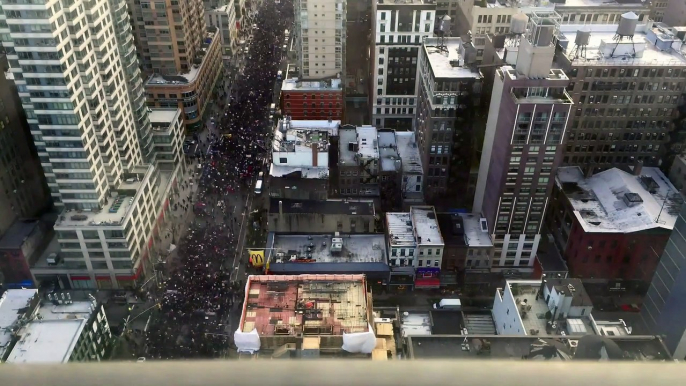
(272, 108)
(279, 75)
(448, 304)
(258, 187)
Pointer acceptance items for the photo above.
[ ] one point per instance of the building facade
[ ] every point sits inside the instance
(399, 29)
(167, 137)
(18, 248)
(663, 308)
(603, 238)
(446, 120)
(311, 100)
(523, 143)
(677, 173)
(223, 18)
(320, 35)
(624, 109)
(190, 90)
(23, 189)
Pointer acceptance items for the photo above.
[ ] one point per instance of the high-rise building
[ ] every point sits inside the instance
(72, 84)
(480, 18)
(523, 142)
(449, 90)
(23, 190)
(320, 34)
(624, 109)
(76, 74)
(664, 306)
(224, 19)
(181, 58)
(399, 29)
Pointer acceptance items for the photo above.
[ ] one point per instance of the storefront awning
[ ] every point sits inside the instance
(427, 282)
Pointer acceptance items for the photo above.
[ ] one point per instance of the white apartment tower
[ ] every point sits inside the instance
(71, 60)
(399, 27)
(320, 27)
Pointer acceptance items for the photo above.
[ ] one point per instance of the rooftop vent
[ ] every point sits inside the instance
(632, 199)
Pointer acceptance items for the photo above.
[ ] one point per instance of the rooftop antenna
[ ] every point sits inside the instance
(443, 31)
(625, 31)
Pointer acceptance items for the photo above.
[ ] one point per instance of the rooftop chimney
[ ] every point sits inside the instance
(638, 167)
(315, 154)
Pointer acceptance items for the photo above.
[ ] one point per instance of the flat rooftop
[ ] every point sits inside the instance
(17, 233)
(52, 338)
(474, 233)
(400, 230)
(367, 142)
(629, 4)
(639, 51)
(426, 225)
(284, 171)
(300, 140)
(408, 152)
(637, 348)
(388, 152)
(440, 59)
(319, 248)
(331, 127)
(13, 303)
(191, 75)
(116, 209)
(162, 115)
(347, 143)
(342, 207)
(295, 84)
(615, 201)
(294, 305)
(404, 2)
(414, 323)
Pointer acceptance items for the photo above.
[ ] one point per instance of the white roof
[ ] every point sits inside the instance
(52, 338)
(474, 235)
(440, 59)
(426, 225)
(331, 126)
(602, 42)
(10, 303)
(409, 152)
(162, 115)
(599, 201)
(294, 84)
(367, 141)
(400, 231)
(321, 172)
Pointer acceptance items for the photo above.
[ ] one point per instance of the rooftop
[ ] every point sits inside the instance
(13, 303)
(636, 348)
(404, 2)
(295, 84)
(343, 207)
(300, 140)
(328, 248)
(367, 142)
(603, 49)
(388, 152)
(281, 171)
(426, 225)
(17, 233)
(162, 115)
(475, 230)
(630, 4)
(116, 208)
(331, 127)
(449, 62)
(192, 74)
(408, 152)
(415, 323)
(617, 201)
(293, 305)
(400, 232)
(52, 337)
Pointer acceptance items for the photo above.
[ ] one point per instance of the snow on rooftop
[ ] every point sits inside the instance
(474, 234)
(426, 225)
(409, 152)
(440, 59)
(367, 141)
(320, 172)
(617, 201)
(11, 302)
(641, 50)
(400, 231)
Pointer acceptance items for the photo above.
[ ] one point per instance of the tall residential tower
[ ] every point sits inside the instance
(320, 33)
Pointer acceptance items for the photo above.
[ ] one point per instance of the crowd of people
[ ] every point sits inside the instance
(200, 293)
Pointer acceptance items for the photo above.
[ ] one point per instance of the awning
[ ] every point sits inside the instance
(427, 282)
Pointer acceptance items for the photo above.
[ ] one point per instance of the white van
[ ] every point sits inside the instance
(258, 187)
(448, 304)
(272, 108)
(279, 75)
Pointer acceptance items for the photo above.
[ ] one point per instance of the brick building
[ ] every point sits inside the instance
(312, 100)
(613, 225)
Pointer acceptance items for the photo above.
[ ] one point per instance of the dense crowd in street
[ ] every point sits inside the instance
(198, 295)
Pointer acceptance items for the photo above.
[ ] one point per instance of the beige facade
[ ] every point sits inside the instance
(191, 91)
(320, 35)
